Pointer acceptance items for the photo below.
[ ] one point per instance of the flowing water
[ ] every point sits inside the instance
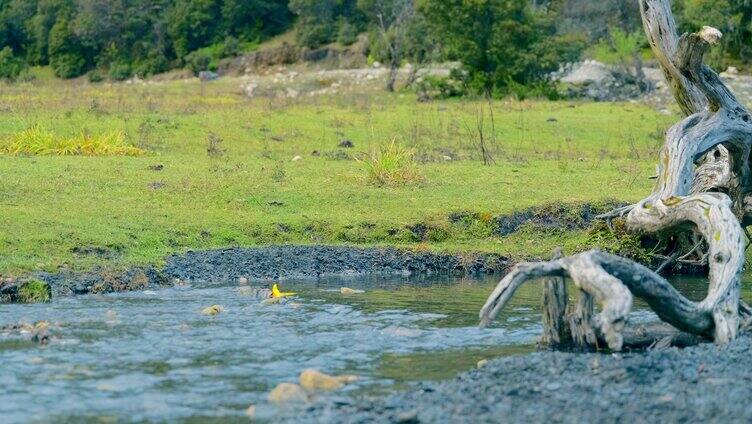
(152, 356)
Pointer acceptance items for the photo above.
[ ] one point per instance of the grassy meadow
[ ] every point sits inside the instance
(217, 169)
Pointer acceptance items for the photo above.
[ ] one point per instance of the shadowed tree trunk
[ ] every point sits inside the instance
(703, 193)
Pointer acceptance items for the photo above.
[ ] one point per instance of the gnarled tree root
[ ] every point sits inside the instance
(612, 282)
(703, 192)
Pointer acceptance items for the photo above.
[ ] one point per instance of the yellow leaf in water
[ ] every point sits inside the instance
(276, 293)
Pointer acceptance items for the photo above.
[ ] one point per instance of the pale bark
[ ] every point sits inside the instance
(702, 191)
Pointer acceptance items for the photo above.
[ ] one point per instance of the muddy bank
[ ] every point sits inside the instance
(311, 262)
(305, 262)
(279, 263)
(699, 384)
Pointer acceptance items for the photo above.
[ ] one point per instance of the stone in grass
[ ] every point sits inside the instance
(347, 290)
(30, 291)
(313, 381)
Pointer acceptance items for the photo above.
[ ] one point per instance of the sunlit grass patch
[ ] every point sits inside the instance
(34, 291)
(390, 165)
(37, 140)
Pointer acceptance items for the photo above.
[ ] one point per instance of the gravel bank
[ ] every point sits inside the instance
(698, 384)
(278, 263)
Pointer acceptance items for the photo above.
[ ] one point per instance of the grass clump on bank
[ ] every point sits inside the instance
(34, 291)
(37, 140)
(391, 165)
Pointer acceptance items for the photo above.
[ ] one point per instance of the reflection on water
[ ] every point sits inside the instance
(153, 356)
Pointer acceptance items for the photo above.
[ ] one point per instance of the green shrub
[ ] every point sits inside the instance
(68, 65)
(500, 41)
(433, 87)
(120, 71)
(10, 66)
(96, 76)
(348, 33)
(314, 35)
(198, 61)
(67, 57)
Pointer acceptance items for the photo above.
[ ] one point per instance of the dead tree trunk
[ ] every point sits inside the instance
(703, 191)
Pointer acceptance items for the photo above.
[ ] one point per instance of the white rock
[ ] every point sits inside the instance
(730, 73)
(297, 158)
(588, 72)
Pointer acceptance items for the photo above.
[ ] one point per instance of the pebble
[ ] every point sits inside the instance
(347, 290)
(652, 386)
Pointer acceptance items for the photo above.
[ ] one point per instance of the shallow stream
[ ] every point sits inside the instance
(152, 356)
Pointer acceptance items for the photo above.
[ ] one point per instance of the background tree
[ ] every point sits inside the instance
(732, 17)
(501, 43)
(320, 21)
(394, 22)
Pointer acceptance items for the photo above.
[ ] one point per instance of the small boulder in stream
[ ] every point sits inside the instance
(212, 310)
(287, 394)
(314, 381)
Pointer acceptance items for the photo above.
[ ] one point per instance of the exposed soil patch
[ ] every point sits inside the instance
(294, 262)
(697, 384)
(105, 281)
(109, 252)
(555, 216)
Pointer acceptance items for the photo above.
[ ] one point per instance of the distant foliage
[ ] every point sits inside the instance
(501, 43)
(732, 17)
(323, 21)
(620, 47)
(10, 65)
(120, 38)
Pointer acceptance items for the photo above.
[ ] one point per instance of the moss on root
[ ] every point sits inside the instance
(619, 241)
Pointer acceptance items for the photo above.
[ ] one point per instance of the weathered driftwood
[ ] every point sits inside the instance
(702, 192)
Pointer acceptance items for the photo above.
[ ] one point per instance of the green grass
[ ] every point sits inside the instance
(34, 291)
(76, 212)
(36, 140)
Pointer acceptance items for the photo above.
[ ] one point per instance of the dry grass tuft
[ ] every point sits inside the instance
(391, 165)
(39, 141)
